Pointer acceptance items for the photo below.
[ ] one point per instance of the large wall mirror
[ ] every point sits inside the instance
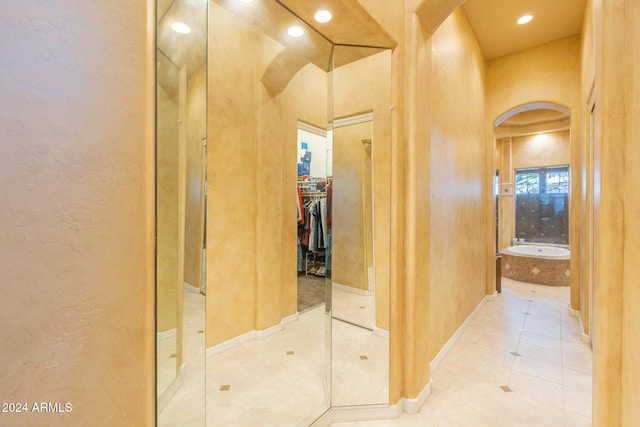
(361, 82)
(296, 220)
(181, 135)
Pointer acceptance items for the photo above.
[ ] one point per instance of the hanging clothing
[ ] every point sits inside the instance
(300, 256)
(314, 230)
(299, 207)
(329, 200)
(323, 219)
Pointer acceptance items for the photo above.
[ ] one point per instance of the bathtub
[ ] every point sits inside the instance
(545, 265)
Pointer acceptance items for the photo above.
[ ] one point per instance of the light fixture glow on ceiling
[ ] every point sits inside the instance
(246, 1)
(295, 31)
(524, 19)
(323, 16)
(181, 28)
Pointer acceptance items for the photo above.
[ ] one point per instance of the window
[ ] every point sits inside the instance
(542, 205)
(527, 183)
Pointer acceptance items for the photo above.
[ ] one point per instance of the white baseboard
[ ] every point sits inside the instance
(380, 332)
(572, 312)
(171, 390)
(371, 279)
(291, 318)
(251, 335)
(339, 414)
(351, 289)
(169, 333)
(260, 335)
(325, 420)
(413, 405)
(585, 338)
(226, 345)
(365, 413)
(454, 338)
(189, 287)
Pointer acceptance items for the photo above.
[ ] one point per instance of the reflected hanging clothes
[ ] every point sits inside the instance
(300, 256)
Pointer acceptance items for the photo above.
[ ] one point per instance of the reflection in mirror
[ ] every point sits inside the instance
(181, 129)
(267, 360)
(313, 185)
(167, 234)
(359, 225)
(353, 284)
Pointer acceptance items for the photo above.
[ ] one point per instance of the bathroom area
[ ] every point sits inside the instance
(532, 187)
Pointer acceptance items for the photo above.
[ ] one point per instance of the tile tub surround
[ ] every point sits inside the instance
(543, 271)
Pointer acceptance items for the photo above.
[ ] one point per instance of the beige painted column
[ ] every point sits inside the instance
(417, 302)
(396, 235)
(631, 268)
(490, 203)
(182, 177)
(506, 227)
(269, 209)
(609, 215)
(631, 296)
(617, 216)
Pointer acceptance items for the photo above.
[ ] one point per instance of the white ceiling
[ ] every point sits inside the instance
(494, 23)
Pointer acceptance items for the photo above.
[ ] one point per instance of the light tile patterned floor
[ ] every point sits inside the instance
(523, 341)
(549, 378)
(280, 380)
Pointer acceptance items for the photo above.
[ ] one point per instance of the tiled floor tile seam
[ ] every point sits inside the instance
(489, 346)
(513, 362)
(539, 377)
(491, 328)
(499, 324)
(539, 332)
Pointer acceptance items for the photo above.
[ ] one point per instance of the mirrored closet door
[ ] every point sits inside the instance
(267, 354)
(273, 203)
(180, 182)
(361, 131)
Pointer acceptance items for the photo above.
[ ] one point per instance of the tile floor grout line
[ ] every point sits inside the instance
(564, 397)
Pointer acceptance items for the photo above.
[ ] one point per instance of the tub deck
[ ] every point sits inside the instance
(543, 271)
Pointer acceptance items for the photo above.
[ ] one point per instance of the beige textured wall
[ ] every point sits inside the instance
(585, 157)
(196, 132)
(251, 226)
(458, 175)
(232, 180)
(351, 240)
(611, 57)
(167, 212)
(549, 73)
(550, 149)
(631, 292)
(76, 240)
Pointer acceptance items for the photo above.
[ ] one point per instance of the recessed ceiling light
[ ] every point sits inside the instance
(181, 28)
(295, 31)
(525, 19)
(246, 1)
(322, 16)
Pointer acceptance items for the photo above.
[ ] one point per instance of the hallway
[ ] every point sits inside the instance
(519, 363)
